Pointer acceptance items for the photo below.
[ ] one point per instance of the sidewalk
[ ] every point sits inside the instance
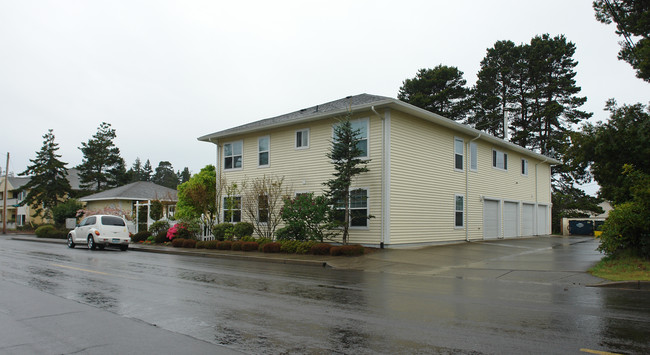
(546, 259)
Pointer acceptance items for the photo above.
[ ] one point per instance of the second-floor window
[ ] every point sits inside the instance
(302, 138)
(499, 159)
(458, 153)
(232, 155)
(361, 125)
(524, 167)
(473, 156)
(263, 149)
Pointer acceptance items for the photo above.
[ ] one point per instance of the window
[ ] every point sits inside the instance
(171, 210)
(362, 126)
(20, 220)
(524, 167)
(302, 139)
(473, 157)
(263, 208)
(263, 148)
(358, 208)
(232, 155)
(458, 153)
(112, 221)
(499, 159)
(232, 209)
(459, 215)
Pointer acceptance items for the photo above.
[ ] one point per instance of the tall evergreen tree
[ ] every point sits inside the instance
(49, 183)
(344, 154)
(185, 175)
(440, 90)
(102, 166)
(135, 172)
(632, 19)
(147, 171)
(165, 175)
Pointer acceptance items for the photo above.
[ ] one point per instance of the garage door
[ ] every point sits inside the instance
(542, 220)
(510, 219)
(491, 219)
(527, 219)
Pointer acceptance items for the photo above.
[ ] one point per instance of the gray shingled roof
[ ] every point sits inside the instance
(360, 103)
(141, 190)
(336, 106)
(18, 182)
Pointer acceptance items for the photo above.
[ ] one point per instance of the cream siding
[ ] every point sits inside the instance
(306, 169)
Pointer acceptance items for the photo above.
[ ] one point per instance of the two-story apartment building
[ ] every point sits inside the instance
(430, 180)
(17, 214)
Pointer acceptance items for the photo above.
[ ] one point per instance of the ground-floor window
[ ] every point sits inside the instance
(459, 211)
(358, 208)
(263, 208)
(232, 209)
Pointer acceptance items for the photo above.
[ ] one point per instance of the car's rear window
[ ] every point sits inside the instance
(112, 221)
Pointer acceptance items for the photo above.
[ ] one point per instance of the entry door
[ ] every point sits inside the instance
(528, 219)
(510, 219)
(491, 219)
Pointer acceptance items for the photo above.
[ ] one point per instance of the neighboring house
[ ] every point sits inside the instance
(134, 196)
(431, 179)
(18, 215)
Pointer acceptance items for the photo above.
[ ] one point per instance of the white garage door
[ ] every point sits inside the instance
(510, 219)
(528, 219)
(542, 220)
(491, 219)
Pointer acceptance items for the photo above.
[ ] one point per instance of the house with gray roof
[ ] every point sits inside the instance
(131, 197)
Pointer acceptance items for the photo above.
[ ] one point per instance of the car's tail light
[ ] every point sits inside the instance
(96, 232)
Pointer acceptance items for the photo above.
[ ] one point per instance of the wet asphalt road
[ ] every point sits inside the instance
(268, 308)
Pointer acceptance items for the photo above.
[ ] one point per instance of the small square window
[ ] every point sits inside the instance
(302, 139)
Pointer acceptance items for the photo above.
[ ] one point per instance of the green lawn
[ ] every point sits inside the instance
(622, 268)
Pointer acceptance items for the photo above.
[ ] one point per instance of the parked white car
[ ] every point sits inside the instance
(100, 231)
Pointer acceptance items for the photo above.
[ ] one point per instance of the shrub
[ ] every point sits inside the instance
(626, 229)
(211, 244)
(271, 247)
(44, 231)
(161, 238)
(347, 250)
(67, 209)
(140, 236)
(178, 242)
(200, 244)
(306, 218)
(305, 247)
(237, 245)
(224, 245)
(249, 246)
(242, 229)
(321, 249)
(289, 246)
(152, 239)
(285, 233)
(159, 226)
(223, 231)
(260, 242)
(189, 243)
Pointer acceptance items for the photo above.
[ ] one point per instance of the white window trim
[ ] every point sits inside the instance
(527, 165)
(268, 164)
(462, 154)
(461, 210)
(367, 120)
(367, 226)
(295, 138)
(241, 209)
(223, 159)
(473, 156)
(505, 159)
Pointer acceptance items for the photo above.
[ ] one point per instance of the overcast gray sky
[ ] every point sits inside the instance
(166, 72)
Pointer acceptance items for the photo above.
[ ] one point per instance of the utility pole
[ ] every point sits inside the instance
(4, 199)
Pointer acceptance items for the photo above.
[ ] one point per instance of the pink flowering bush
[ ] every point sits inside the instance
(179, 230)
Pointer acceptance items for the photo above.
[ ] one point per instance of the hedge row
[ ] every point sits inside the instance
(283, 246)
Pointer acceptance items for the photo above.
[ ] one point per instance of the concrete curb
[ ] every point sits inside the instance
(628, 285)
(176, 251)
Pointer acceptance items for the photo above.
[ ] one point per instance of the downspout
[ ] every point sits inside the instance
(536, 192)
(466, 201)
(383, 158)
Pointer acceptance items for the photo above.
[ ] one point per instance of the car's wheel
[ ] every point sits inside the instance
(70, 241)
(91, 243)
(124, 247)
(101, 246)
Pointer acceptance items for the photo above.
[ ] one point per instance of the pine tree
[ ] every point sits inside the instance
(440, 90)
(344, 154)
(49, 183)
(165, 175)
(185, 175)
(101, 167)
(147, 171)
